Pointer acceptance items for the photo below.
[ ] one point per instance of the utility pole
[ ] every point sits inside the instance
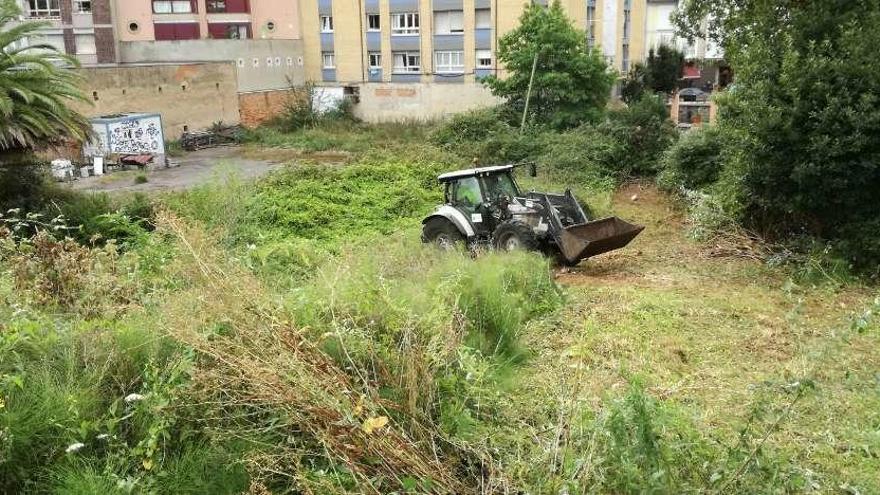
(522, 124)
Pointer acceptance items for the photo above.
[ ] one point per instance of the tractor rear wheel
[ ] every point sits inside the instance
(515, 236)
(441, 233)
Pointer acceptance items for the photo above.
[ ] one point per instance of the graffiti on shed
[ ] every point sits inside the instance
(136, 136)
(127, 134)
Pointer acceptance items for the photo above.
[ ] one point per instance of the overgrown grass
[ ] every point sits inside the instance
(347, 136)
(293, 336)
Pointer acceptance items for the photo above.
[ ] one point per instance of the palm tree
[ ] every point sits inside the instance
(36, 87)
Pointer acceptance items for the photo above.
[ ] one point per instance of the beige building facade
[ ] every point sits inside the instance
(452, 41)
(371, 47)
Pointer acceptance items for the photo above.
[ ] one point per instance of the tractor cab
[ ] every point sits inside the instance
(470, 190)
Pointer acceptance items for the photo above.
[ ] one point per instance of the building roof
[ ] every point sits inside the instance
(472, 172)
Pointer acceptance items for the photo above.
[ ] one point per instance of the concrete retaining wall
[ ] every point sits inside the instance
(188, 96)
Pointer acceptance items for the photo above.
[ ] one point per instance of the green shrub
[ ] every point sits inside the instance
(141, 179)
(694, 161)
(470, 127)
(802, 121)
(585, 154)
(433, 330)
(485, 136)
(300, 111)
(644, 131)
(24, 185)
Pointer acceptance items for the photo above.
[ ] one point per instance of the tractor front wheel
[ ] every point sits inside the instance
(515, 236)
(441, 233)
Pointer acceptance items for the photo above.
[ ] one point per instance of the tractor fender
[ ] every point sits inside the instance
(456, 217)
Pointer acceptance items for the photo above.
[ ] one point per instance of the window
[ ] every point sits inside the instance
(229, 31)
(466, 192)
(407, 62)
(329, 59)
(44, 9)
(449, 62)
(172, 7)
(326, 23)
(500, 186)
(483, 18)
(216, 6)
(373, 23)
(624, 60)
(82, 6)
(484, 58)
(591, 22)
(375, 60)
(626, 23)
(85, 44)
(405, 24)
(449, 22)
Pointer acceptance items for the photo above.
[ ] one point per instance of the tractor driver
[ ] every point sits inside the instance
(467, 192)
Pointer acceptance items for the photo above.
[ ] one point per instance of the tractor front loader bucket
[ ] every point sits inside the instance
(578, 242)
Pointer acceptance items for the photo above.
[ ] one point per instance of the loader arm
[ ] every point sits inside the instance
(579, 241)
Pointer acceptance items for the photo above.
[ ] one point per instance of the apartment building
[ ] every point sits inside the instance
(659, 30)
(424, 58)
(444, 41)
(81, 28)
(178, 20)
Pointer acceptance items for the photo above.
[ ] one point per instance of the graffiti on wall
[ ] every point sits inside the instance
(136, 136)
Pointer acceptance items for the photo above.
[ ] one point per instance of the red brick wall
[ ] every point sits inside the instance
(105, 45)
(101, 12)
(259, 107)
(69, 41)
(66, 11)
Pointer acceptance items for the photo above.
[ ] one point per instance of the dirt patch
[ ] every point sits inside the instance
(193, 169)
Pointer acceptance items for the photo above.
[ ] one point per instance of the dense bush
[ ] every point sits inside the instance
(802, 119)
(301, 111)
(471, 127)
(627, 143)
(582, 154)
(644, 131)
(660, 74)
(486, 137)
(694, 161)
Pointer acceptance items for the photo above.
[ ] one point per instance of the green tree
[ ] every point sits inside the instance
(572, 82)
(660, 73)
(802, 119)
(664, 68)
(36, 87)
